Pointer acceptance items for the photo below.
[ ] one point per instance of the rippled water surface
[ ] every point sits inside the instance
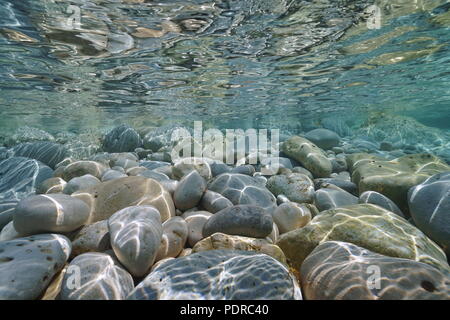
(230, 63)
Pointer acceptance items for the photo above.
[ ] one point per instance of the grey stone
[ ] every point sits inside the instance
(249, 276)
(217, 168)
(51, 185)
(49, 153)
(214, 202)
(91, 238)
(196, 220)
(135, 237)
(27, 265)
(175, 233)
(49, 213)
(323, 138)
(80, 183)
(346, 185)
(81, 168)
(154, 175)
(6, 211)
(189, 191)
(244, 169)
(122, 139)
(290, 216)
(380, 200)
(111, 175)
(240, 220)
(150, 165)
(8, 232)
(331, 197)
(296, 187)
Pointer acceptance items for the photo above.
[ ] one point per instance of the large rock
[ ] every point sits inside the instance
(136, 234)
(242, 189)
(296, 187)
(109, 197)
(367, 226)
(394, 178)
(19, 177)
(323, 138)
(221, 241)
(219, 274)
(429, 205)
(122, 139)
(343, 271)
(240, 220)
(95, 276)
(189, 191)
(81, 168)
(309, 155)
(49, 153)
(49, 213)
(27, 265)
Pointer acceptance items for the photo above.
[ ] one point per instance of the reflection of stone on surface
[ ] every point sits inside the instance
(15, 35)
(343, 271)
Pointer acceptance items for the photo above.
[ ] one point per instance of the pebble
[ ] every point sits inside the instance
(51, 185)
(174, 238)
(296, 187)
(81, 168)
(80, 183)
(380, 200)
(214, 202)
(290, 216)
(91, 238)
(196, 220)
(189, 191)
(122, 139)
(330, 196)
(49, 153)
(323, 138)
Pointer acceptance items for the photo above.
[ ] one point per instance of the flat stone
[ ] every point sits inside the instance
(429, 205)
(221, 241)
(99, 278)
(240, 220)
(27, 265)
(242, 189)
(136, 234)
(290, 216)
(122, 139)
(323, 138)
(367, 226)
(394, 178)
(109, 197)
(175, 234)
(250, 276)
(309, 155)
(296, 187)
(49, 213)
(381, 201)
(343, 271)
(189, 191)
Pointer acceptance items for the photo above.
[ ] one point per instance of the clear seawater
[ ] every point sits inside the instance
(229, 63)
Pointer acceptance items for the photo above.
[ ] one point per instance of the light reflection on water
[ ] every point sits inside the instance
(230, 63)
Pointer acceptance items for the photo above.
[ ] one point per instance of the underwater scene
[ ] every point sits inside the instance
(224, 150)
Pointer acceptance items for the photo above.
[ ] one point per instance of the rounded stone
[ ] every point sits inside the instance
(100, 278)
(80, 183)
(189, 191)
(46, 152)
(183, 166)
(91, 238)
(27, 265)
(49, 213)
(136, 234)
(109, 197)
(250, 276)
(330, 196)
(175, 233)
(323, 138)
(290, 216)
(122, 139)
(214, 202)
(51, 185)
(381, 201)
(295, 186)
(343, 271)
(196, 220)
(81, 168)
(240, 220)
(111, 175)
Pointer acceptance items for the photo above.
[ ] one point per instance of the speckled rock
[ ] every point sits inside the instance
(250, 276)
(323, 138)
(343, 271)
(240, 220)
(348, 186)
(99, 278)
(196, 220)
(109, 197)
(429, 205)
(296, 187)
(136, 234)
(27, 265)
(189, 191)
(49, 153)
(394, 178)
(214, 202)
(81, 168)
(221, 241)
(330, 196)
(49, 213)
(381, 201)
(365, 225)
(80, 183)
(309, 155)
(290, 216)
(175, 233)
(183, 166)
(242, 189)
(91, 238)
(122, 139)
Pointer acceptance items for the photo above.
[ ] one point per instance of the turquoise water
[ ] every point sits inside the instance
(236, 63)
